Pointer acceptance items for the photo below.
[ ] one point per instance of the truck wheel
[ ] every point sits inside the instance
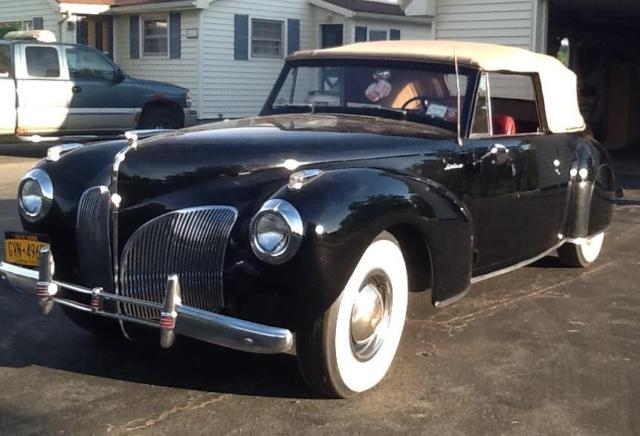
(349, 348)
(583, 254)
(159, 118)
(99, 326)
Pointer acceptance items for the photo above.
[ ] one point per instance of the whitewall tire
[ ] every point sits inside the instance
(350, 348)
(582, 253)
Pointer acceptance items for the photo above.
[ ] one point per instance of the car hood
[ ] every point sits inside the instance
(154, 84)
(281, 141)
(265, 149)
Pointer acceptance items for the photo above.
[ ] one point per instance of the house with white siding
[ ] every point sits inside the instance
(229, 52)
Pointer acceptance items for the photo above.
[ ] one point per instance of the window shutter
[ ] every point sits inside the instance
(134, 36)
(38, 23)
(394, 34)
(110, 37)
(361, 34)
(174, 37)
(241, 38)
(293, 35)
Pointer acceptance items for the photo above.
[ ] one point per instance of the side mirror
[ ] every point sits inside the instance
(118, 75)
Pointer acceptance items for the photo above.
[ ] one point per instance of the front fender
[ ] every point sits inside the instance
(344, 210)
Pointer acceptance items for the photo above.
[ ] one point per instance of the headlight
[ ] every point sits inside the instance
(189, 100)
(276, 231)
(35, 195)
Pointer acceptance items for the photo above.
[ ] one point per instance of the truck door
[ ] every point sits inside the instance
(43, 90)
(100, 101)
(7, 92)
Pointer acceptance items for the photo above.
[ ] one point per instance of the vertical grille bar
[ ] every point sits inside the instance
(93, 239)
(189, 242)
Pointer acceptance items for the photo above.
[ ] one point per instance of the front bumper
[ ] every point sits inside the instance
(190, 117)
(175, 319)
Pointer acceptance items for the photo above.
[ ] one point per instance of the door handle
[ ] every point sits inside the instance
(76, 90)
(498, 152)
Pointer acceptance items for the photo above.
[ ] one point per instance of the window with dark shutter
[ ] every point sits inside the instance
(293, 36)
(361, 34)
(394, 34)
(267, 38)
(174, 37)
(155, 35)
(38, 23)
(241, 37)
(134, 37)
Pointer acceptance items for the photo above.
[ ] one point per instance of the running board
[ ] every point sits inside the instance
(520, 264)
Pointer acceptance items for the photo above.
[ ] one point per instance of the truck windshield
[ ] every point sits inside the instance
(426, 93)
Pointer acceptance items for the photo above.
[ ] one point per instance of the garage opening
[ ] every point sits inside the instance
(599, 40)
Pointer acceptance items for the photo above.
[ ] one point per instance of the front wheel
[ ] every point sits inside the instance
(583, 253)
(159, 118)
(349, 348)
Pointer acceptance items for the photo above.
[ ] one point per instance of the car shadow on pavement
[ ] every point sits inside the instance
(53, 342)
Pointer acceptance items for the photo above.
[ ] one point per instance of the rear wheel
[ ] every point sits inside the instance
(350, 348)
(583, 253)
(159, 118)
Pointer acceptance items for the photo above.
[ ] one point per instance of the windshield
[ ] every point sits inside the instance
(424, 93)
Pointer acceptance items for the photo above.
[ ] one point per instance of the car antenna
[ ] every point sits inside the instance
(458, 112)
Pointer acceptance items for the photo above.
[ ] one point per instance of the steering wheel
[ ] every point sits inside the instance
(419, 98)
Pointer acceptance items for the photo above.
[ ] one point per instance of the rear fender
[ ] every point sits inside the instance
(591, 188)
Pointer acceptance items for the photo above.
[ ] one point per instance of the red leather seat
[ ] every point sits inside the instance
(504, 125)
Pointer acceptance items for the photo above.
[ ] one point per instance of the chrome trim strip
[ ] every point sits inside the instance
(517, 265)
(232, 332)
(199, 324)
(18, 278)
(55, 153)
(115, 206)
(454, 299)
(291, 216)
(46, 189)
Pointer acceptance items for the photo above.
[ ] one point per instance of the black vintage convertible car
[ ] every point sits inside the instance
(374, 170)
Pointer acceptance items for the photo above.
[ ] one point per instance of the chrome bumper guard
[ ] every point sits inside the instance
(175, 318)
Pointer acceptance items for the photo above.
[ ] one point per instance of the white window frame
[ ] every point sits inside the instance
(374, 29)
(538, 99)
(62, 65)
(155, 17)
(24, 24)
(284, 38)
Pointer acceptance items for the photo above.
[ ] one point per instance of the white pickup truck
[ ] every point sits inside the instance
(60, 89)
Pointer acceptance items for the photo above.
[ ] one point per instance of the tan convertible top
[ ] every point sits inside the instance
(559, 84)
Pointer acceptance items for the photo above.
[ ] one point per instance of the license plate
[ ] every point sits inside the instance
(23, 248)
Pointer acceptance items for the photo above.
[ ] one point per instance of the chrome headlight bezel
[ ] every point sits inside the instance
(285, 211)
(43, 181)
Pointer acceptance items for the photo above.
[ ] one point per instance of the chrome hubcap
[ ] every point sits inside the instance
(370, 316)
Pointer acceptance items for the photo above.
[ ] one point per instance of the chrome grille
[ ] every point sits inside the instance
(92, 238)
(188, 242)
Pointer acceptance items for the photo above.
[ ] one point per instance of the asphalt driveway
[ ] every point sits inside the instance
(543, 350)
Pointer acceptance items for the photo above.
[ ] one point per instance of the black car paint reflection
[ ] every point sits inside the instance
(462, 215)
